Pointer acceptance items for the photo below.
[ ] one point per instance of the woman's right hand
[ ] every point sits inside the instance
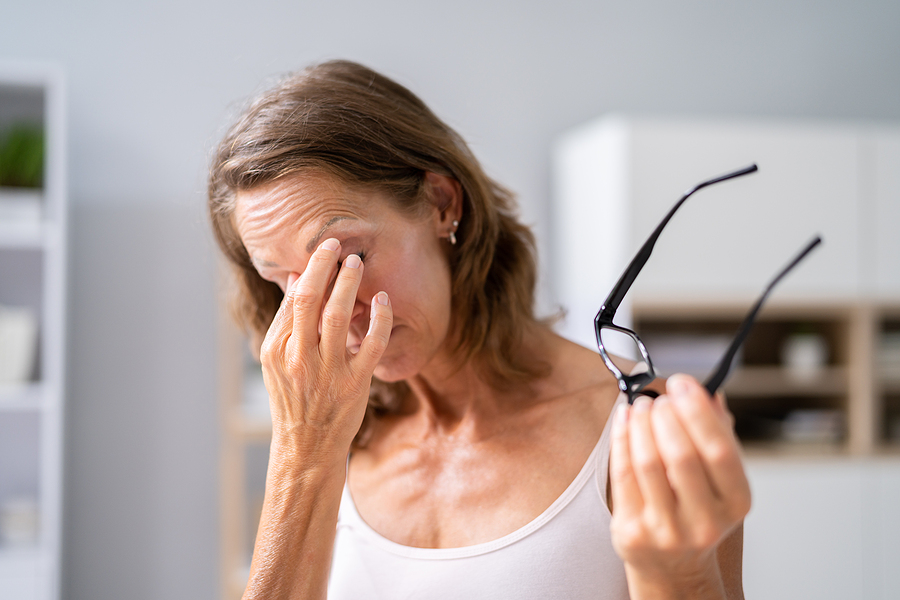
(318, 389)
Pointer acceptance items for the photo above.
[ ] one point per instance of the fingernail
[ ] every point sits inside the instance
(678, 386)
(622, 414)
(353, 261)
(331, 244)
(382, 298)
(642, 404)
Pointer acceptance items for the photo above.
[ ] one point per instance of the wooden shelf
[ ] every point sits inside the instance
(763, 392)
(781, 449)
(776, 381)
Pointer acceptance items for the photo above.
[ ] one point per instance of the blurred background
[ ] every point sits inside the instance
(150, 86)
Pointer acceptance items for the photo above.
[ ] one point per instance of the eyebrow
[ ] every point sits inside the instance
(315, 239)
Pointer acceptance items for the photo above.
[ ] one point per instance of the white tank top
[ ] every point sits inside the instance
(566, 552)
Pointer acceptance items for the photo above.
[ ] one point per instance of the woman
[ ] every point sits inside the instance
(431, 437)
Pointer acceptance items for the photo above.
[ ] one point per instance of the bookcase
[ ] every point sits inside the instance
(843, 401)
(246, 426)
(819, 372)
(32, 328)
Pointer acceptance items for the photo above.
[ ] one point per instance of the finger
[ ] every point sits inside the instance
(626, 495)
(381, 319)
(308, 293)
(279, 329)
(712, 437)
(338, 309)
(649, 469)
(684, 470)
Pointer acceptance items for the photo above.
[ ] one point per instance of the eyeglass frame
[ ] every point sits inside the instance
(634, 384)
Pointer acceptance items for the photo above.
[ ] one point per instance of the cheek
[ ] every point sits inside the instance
(418, 285)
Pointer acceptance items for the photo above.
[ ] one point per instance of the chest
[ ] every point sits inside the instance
(448, 495)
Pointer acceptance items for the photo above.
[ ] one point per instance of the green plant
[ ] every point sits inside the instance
(22, 156)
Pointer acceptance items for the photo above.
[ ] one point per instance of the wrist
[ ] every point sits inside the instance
(701, 581)
(307, 450)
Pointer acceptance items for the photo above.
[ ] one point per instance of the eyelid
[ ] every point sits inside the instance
(361, 254)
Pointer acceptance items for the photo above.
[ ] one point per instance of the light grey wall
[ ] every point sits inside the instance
(150, 87)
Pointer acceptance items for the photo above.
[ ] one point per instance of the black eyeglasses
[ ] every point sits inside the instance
(633, 378)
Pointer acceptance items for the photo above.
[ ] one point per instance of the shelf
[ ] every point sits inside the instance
(776, 381)
(22, 234)
(782, 449)
(729, 308)
(25, 397)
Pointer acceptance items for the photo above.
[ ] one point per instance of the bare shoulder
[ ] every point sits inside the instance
(584, 371)
(580, 375)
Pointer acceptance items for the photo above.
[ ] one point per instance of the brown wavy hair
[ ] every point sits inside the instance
(347, 121)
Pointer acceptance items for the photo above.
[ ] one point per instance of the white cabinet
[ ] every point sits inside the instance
(823, 528)
(617, 177)
(32, 327)
(881, 233)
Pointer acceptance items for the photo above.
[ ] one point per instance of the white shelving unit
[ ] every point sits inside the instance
(33, 279)
(246, 433)
(616, 178)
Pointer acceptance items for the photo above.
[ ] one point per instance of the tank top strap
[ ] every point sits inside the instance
(601, 468)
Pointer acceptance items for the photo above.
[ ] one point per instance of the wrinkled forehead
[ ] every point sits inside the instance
(300, 202)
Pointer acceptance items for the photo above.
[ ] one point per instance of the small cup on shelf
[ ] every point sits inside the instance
(804, 355)
(18, 344)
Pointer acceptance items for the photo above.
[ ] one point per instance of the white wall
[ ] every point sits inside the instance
(151, 84)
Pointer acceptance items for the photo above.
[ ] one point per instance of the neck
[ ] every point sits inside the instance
(451, 399)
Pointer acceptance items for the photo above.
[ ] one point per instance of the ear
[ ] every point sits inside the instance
(446, 196)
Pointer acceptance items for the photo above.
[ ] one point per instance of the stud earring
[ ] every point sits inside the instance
(452, 236)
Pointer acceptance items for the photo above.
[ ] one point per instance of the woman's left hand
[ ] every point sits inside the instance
(678, 490)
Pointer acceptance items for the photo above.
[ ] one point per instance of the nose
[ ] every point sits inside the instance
(360, 311)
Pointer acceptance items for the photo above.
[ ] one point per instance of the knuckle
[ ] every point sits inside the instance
(295, 362)
(706, 535)
(618, 470)
(740, 504)
(628, 534)
(719, 454)
(269, 350)
(376, 347)
(304, 296)
(646, 465)
(668, 539)
(335, 317)
(681, 459)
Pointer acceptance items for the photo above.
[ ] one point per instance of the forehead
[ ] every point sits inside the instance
(296, 203)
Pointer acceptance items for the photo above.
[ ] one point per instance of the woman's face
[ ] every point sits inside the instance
(281, 223)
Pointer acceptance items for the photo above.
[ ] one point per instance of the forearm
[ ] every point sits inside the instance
(292, 554)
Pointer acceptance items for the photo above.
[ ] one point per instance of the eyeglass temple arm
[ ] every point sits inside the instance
(609, 307)
(715, 380)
